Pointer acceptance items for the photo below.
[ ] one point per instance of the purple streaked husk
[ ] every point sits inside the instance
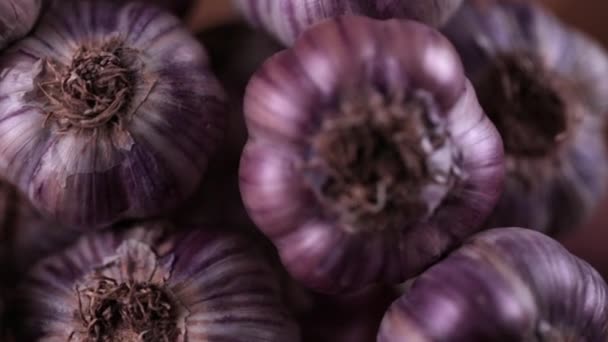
(17, 17)
(283, 107)
(504, 284)
(288, 19)
(558, 191)
(143, 167)
(220, 286)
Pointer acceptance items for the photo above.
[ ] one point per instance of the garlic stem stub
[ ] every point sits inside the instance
(368, 155)
(17, 17)
(108, 111)
(504, 284)
(287, 19)
(544, 86)
(142, 285)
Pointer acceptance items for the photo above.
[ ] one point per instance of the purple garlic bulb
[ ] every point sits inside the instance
(507, 284)
(107, 112)
(287, 19)
(17, 17)
(368, 158)
(544, 86)
(143, 285)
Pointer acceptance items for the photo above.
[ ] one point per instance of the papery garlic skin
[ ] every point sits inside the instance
(505, 284)
(557, 189)
(299, 91)
(287, 19)
(139, 157)
(17, 17)
(217, 286)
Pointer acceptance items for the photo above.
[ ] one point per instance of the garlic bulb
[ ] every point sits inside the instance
(108, 111)
(17, 17)
(507, 284)
(367, 158)
(287, 19)
(144, 285)
(544, 87)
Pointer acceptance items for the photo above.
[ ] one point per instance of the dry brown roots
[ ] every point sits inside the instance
(369, 161)
(525, 104)
(94, 90)
(128, 312)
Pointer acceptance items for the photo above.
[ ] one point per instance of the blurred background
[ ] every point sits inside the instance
(589, 241)
(587, 15)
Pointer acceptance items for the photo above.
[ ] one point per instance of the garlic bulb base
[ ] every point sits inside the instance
(127, 311)
(138, 309)
(420, 138)
(96, 89)
(383, 161)
(527, 105)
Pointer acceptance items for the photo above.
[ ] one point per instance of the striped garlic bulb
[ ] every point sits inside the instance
(367, 159)
(503, 285)
(287, 19)
(544, 85)
(198, 285)
(108, 111)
